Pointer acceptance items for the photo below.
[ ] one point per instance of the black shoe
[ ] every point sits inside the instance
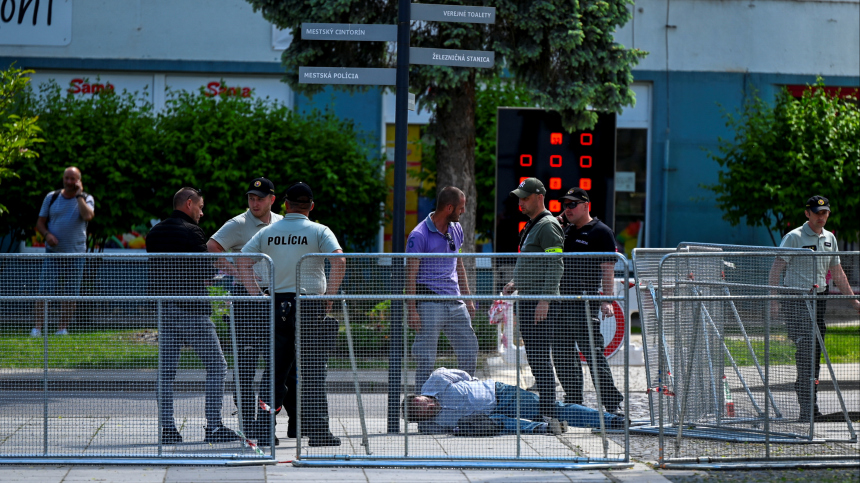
(260, 431)
(220, 434)
(804, 416)
(326, 439)
(291, 428)
(617, 423)
(170, 436)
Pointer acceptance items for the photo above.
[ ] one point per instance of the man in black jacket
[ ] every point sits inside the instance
(186, 323)
(585, 276)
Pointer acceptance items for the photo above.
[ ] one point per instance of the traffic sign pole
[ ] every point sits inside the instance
(398, 235)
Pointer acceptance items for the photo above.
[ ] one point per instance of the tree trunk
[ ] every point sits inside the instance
(454, 127)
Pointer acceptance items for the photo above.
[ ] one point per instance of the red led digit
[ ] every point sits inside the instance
(523, 179)
(554, 206)
(585, 161)
(585, 139)
(555, 183)
(555, 161)
(525, 159)
(522, 225)
(555, 138)
(585, 183)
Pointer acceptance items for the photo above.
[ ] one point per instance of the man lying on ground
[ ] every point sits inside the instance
(452, 398)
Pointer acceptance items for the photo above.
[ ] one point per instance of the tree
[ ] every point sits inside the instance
(562, 51)
(17, 134)
(786, 152)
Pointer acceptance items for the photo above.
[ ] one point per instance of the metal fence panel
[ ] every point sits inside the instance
(742, 343)
(379, 355)
(129, 358)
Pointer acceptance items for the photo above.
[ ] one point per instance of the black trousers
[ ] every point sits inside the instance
(316, 343)
(572, 331)
(538, 339)
(807, 359)
(252, 342)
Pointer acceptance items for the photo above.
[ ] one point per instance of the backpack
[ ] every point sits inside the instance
(54, 195)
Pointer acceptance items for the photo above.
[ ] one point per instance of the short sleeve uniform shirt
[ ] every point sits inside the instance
(238, 231)
(800, 271)
(286, 242)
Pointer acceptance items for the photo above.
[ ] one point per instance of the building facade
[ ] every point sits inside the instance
(705, 57)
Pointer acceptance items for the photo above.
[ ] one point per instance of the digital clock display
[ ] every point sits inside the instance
(532, 143)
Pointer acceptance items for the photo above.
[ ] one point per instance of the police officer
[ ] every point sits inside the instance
(251, 320)
(538, 276)
(584, 276)
(286, 241)
(800, 273)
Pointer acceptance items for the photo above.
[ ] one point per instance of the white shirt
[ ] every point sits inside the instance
(236, 233)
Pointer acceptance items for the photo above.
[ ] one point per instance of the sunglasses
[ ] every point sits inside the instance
(573, 204)
(450, 242)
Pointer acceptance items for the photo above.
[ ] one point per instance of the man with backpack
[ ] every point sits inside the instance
(63, 222)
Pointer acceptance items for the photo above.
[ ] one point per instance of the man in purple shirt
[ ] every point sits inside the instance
(440, 232)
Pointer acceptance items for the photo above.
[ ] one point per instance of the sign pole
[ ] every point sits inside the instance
(398, 235)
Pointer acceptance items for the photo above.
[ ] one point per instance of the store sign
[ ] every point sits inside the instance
(229, 86)
(36, 22)
(89, 83)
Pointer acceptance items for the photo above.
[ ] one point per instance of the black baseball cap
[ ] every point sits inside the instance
(261, 187)
(299, 193)
(576, 194)
(817, 203)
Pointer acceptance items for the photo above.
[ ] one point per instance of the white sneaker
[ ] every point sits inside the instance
(62, 332)
(36, 332)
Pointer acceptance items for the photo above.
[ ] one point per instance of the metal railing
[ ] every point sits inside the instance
(101, 356)
(381, 356)
(735, 352)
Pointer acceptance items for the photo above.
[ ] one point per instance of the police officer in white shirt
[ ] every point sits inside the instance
(251, 320)
(800, 273)
(286, 242)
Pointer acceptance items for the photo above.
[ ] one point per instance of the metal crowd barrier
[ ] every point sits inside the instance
(89, 344)
(729, 343)
(372, 363)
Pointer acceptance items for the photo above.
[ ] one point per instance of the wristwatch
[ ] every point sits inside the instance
(80, 196)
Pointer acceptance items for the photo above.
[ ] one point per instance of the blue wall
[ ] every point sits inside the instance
(689, 114)
(365, 109)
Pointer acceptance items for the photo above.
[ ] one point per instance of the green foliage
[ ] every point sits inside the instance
(786, 152)
(18, 134)
(494, 94)
(564, 51)
(133, 160)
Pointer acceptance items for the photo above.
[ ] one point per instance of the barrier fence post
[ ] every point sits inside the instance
(45, 380)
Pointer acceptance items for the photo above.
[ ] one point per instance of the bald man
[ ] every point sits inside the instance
(63, 223)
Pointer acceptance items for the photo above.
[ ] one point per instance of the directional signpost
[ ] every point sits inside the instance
(403, 103)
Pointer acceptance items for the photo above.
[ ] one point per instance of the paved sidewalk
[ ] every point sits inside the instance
(286, 472)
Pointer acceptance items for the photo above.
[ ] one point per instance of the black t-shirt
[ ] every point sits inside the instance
(584, 274)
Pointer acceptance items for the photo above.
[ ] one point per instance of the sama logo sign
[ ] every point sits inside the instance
(36, 22)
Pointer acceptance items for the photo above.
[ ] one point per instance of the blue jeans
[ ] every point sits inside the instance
(505, 412)
(177, 329)
(453, 320)
(65, 272)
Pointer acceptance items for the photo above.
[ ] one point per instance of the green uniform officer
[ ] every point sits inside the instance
(538, 276)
